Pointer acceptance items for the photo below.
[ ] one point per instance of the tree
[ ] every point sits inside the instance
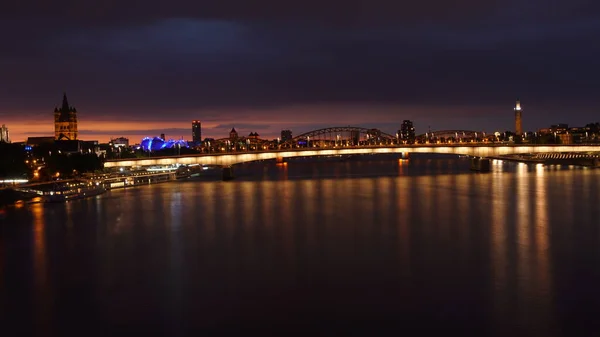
(13, 163)
(594, 127)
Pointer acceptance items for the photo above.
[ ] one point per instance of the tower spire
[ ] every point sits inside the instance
(518, 117)
(65, 121)
(65, 104)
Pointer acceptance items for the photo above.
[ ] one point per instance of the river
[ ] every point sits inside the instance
(368, 246)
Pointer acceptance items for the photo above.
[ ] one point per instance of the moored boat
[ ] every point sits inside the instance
(72, 190)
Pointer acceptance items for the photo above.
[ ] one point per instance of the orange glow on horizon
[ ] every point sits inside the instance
(103, 131)
(268, 122)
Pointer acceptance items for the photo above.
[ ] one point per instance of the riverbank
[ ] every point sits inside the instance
(584, 162)
(52, 191)
(10, 196)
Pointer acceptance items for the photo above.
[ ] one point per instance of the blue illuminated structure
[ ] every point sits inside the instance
(157, 144)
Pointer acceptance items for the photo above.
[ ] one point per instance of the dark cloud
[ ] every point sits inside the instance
(348, 11)
(227, 61)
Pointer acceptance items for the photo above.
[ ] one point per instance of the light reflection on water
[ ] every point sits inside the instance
(43, 283)
(398, 242)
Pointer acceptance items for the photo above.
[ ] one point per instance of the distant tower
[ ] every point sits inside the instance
(518, 121)
(196, 132)
(65, 121)
(233, 134)
(4, 134)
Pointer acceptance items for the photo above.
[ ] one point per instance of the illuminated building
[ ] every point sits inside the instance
(566, 138)
(559, 128)
(407, 132)
(196, 132)
(373, 136)
(518, 121)
(286, 135)
(120, 142)
(157, 144)
(4, 134)
(253, 135)
(65, 121)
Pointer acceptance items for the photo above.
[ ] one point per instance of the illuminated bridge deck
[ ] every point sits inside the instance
(232, 158)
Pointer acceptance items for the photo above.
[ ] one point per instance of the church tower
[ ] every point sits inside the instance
(65, 121)
(518, 122)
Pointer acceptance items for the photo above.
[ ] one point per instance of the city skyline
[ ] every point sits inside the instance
(443, 66)
(136, 130)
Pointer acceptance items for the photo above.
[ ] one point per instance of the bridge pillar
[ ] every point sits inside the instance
(596, 162)
(405, 155)
(279, 160)
(480, 164)
(227, 173)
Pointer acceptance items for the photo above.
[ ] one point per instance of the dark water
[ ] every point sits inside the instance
(369, 248)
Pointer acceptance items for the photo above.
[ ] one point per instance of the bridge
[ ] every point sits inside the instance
(483, 150)
(343, 134)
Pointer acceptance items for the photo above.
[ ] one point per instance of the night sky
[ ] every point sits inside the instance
(137, 68)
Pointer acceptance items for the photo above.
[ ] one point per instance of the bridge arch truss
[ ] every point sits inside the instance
(343, 133)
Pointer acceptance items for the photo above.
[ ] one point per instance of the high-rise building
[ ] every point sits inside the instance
(286, 135)
(4, 134)
(65, 121)
(162, 136)
(196, 132)
(407, 132)
(518, 116)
